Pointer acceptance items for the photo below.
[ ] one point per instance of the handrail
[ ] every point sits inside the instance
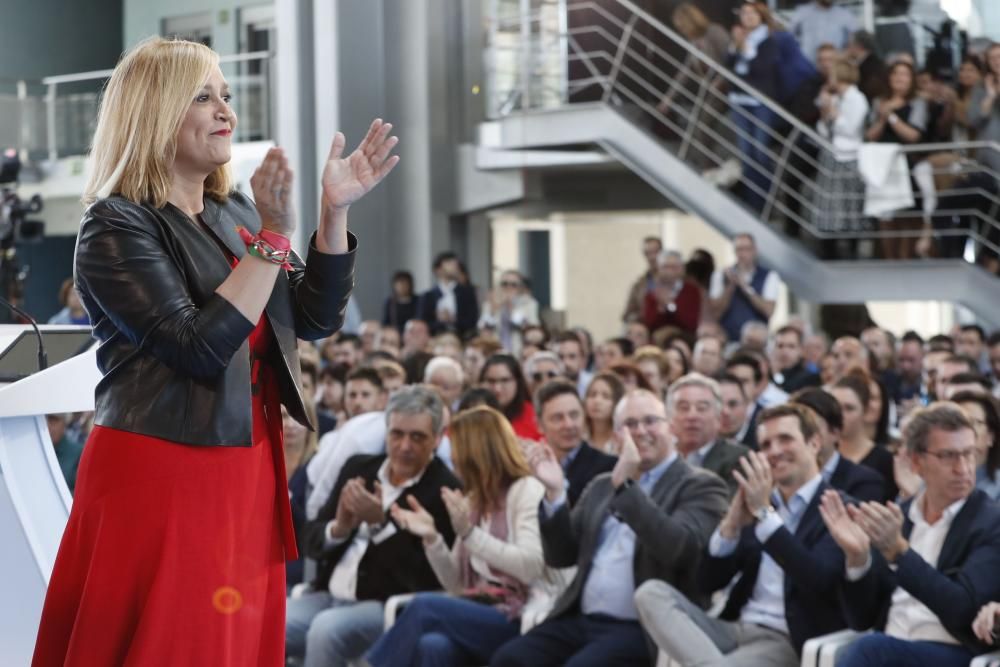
(625, 60)
(105, 73)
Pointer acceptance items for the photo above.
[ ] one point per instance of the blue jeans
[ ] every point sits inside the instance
(330, 632)
(879, 650)
(753, 139)
(437, 631)
(577, 641)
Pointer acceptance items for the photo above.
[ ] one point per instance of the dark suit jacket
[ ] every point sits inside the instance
(859, 482)
(750, 437)
(722, 459)
(813, 566)
(798, 377)
(588, 464)
(672, 526)
(466, 306)
(397, 564)
(963, 581)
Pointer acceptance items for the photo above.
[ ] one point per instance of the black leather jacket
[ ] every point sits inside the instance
(174, 354)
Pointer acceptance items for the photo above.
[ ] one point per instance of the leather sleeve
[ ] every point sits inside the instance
(321, 288)
(126, 269)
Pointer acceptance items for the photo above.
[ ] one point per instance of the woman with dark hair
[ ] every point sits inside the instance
(679, 364)
(853, 392)
(970, 77)
(899, 117)
(502, 375)
(877, 413)
(599, 401)
(984, 413)
(401, 305)
(984, 108)
(630, 375)
(494, 562)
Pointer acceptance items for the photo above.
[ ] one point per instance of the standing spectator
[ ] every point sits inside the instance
(863, 52)
(713, 41)
(753, 56)
(497, 553)
(562, 418)
(984, 108)
(599, 401)
(451, 305)
(970, 77)
(821, 22)
(651, 247)
(745, 291)
(508, 310)
(502, 375)
(917, 573)
(699, 269)
(72, 311)
(649, 519)
(839, 199)
(674, 301)
(401, 305)
(68, 451)
(899, 117)
(792, 374)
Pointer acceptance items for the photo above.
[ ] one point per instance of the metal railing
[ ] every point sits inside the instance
(620, 55)
(56, 117)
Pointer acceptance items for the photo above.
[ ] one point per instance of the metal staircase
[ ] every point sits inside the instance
(587, 73)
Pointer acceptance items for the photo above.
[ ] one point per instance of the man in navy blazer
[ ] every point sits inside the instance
(450, 305)
(774, 538)
(859, 482)
(919, 572)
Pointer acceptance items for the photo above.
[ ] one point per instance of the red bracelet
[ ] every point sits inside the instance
(269, 246)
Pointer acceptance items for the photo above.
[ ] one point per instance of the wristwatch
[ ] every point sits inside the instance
(763, 513)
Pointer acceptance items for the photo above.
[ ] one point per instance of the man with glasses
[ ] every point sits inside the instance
(560, 417)
(650, 518)
(694, 404)
(920, 571)
(542, 367)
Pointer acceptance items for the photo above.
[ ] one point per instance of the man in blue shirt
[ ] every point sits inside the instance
(649, 518)
(774, 536)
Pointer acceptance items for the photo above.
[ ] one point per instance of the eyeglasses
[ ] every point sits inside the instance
(547, 375)
(953, 456)
(649, 421)
(508, 283)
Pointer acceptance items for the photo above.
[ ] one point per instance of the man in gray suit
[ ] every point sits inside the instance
(694, 404)
(650, 518)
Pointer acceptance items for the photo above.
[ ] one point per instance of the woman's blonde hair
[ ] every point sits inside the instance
(690, 21)
(487, 456)
(142, 109)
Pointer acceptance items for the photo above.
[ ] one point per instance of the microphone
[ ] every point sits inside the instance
(43, 359)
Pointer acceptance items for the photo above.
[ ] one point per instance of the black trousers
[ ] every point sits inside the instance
(577, 641)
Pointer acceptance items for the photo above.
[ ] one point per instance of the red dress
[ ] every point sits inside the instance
(175, 554)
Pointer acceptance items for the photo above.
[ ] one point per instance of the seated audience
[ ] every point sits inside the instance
(599, 401)
(542, 367)
(561, 417)
(774, 538)
(570, 350)
(649, 519)
(502, 375)
(746, 369)
(919, 572)
(983, 412)
(707, 358)
(734, 418)
(364, 555)
(654, 364)
(68, 450)
(859, 482)
(474, 357)
(630, 375)
(363, 392)
(853, 393)
(299, 444)
(495, 559)
(446, 375)
(611, 352)
(638, 334)
(416, 338)
(694, 406)
(791, 373)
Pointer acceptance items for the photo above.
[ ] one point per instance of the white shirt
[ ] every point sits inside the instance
(909, 618)
(847, 129)
(447, 303)
(814, 26)
(344, 581)
(772, 284)
(773, 395)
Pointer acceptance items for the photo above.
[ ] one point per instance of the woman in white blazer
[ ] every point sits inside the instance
(489, 572)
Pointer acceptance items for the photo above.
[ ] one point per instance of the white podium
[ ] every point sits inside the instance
(34, 499)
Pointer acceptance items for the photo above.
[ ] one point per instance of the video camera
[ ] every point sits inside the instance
(14, 224)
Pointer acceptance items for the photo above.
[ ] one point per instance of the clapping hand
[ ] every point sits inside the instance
(458, 511)
(986, 622)
(363, 504)
(272, 193)
(907, 480)
(346, 180)
(547, 470)
(884, 526)
(737, 517)
(846, 532)
(627, 466)
(416, 520)
(755, 481)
